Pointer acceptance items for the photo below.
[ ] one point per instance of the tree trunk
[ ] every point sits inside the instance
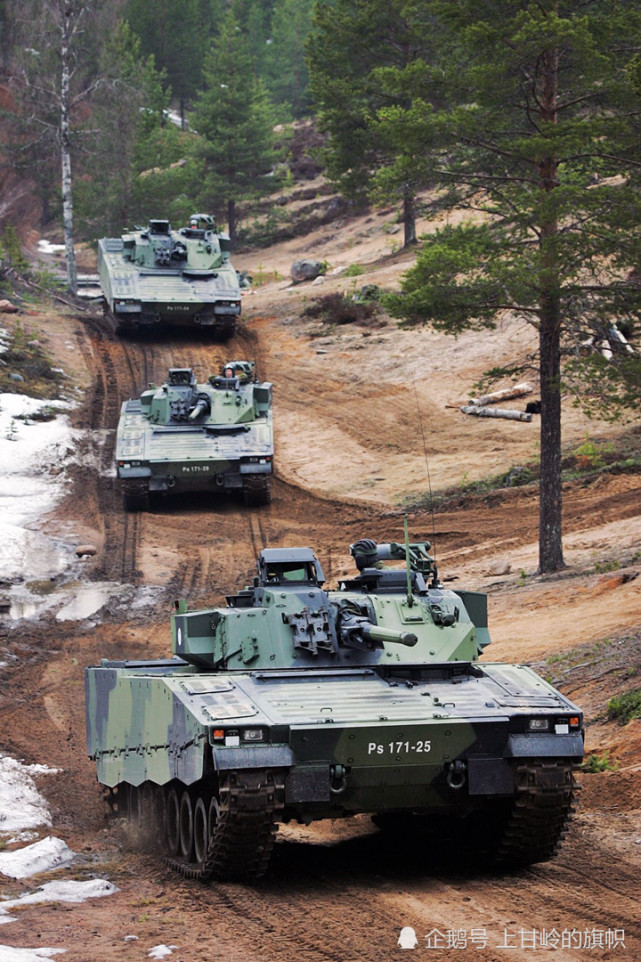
(550, 509)
(65, 151)
(231, 222)
(409, 218)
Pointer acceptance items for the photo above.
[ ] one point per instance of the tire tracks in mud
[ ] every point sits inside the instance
(117, 368)
(121, 368)
(350, 899)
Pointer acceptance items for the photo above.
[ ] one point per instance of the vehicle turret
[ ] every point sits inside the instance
(288, 618)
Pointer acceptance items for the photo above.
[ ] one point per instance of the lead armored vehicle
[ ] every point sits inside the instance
(156, 275)
(295, 702)
(185, 436)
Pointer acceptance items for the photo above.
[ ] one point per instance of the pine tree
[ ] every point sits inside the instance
(131, 136)
(234, 119)
(286, 70)
(540, 141)
(175, 33)
(357, 51)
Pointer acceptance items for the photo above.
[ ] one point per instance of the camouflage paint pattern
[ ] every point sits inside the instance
(295, 677)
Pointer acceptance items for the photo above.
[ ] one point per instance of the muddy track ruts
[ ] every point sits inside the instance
(117, 367)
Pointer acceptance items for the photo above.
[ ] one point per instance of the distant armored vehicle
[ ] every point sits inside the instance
(156, 275)
(298, 703)
(184, 436)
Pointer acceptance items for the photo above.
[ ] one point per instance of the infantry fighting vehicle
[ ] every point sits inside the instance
(157, 275)
(184, 436)
(294, 702)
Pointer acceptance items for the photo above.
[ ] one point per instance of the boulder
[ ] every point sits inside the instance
(306, 270)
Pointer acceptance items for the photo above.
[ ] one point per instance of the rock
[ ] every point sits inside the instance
(500, 568)
(305, 270)
(16, 377)
(6, 307)
(86, 549)
(318, 280)
(369, 292)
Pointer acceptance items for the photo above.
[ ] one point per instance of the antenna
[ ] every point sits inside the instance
(427, 470)
(408, 569)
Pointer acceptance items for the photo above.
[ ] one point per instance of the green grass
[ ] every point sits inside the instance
(625, 707)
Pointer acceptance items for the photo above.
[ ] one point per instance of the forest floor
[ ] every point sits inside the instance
(362, 415)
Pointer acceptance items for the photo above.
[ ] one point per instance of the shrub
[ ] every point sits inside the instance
(625, 707)
(339, 309)
(599, 763)
(353, 270)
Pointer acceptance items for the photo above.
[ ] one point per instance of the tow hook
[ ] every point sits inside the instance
(456, 774)
(337, 779)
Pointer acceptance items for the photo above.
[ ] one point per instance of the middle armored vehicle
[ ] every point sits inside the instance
(298, 703)
(157, 275)
(185, 436)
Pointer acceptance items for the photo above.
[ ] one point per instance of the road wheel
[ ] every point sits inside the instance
(186, 829)
(201, 832)
(172, 822)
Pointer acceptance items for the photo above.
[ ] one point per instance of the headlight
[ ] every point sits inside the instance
(539, 724)
(252, 734)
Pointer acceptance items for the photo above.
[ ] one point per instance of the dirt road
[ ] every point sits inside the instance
(350, 422)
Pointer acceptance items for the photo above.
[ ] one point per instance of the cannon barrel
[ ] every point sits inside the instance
(202, 407)
(376, 633)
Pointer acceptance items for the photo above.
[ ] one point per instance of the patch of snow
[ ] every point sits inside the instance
(24, 837)
(9, 954)
(46, 247)
(161, 951)
(63, 891)
(27, 491)
(43, 856)
(21, 805)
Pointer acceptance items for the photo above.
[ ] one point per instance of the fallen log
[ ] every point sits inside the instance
(484, 412)
(505, 394)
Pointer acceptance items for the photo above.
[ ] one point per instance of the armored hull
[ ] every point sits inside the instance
(180, 277)
(185, 436)
(294, 702)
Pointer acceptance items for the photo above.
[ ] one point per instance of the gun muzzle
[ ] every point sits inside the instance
(201, 408)
(376, 633)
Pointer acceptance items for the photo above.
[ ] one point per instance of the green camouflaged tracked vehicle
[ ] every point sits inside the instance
(157, 275)
(184, 436)
(294, 702)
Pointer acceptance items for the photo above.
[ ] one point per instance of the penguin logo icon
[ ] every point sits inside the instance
(407, 939)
